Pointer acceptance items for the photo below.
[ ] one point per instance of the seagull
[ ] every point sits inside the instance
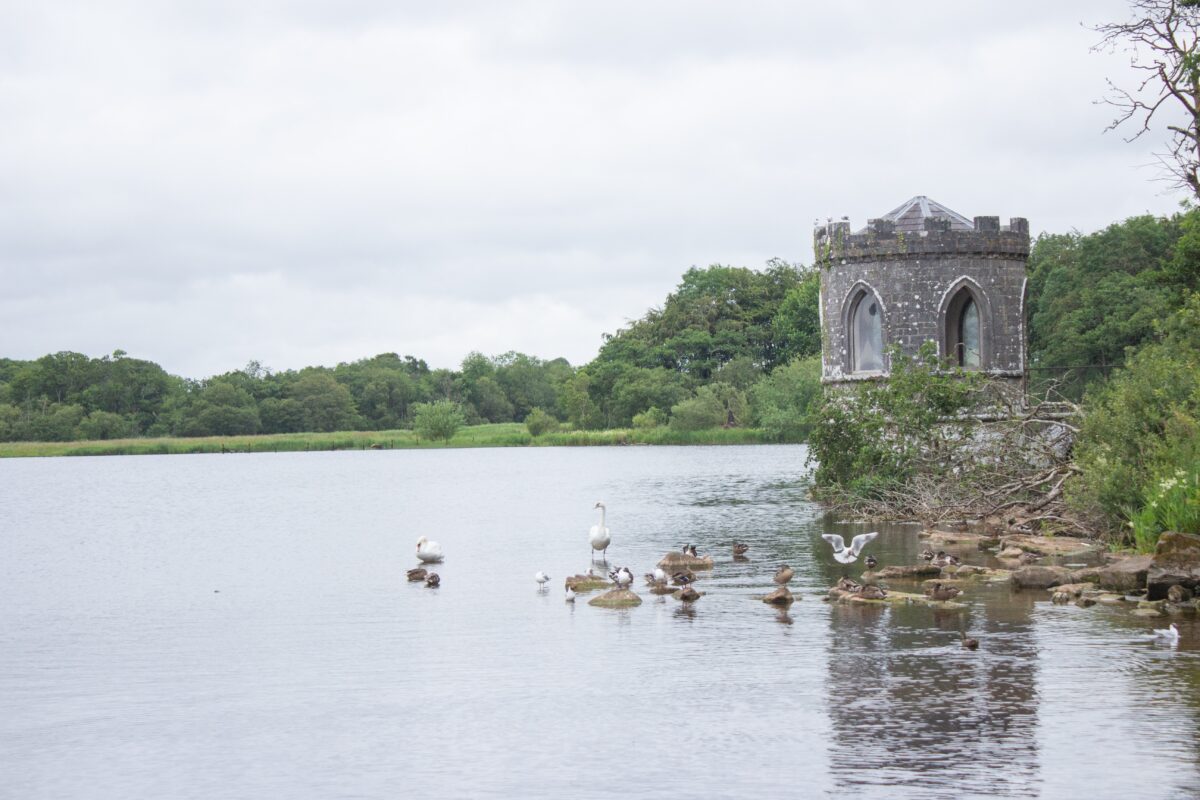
(848, 555)
(622, 577)
(570, 595)
(1170, 634)
(429, 552)
(599, 536)
(542, 578)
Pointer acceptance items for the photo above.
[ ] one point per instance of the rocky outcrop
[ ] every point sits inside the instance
(1040, 577)
(676, 560)
(1126, 575)
(943, 538)
(586, 583)
(616, 598)
(1049, 545)
(910, 573)
(779, 597)
(1176, 561)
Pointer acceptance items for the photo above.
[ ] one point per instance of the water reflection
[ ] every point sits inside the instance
(304, 675)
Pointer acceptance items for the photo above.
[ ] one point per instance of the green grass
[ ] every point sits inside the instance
(512, 434)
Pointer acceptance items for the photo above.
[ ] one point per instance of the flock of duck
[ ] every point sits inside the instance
(680, 580)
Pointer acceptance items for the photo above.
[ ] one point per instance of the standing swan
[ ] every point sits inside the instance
(429, 552)
(599, 537)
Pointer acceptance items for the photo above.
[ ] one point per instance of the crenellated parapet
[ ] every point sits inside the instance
(834, 243)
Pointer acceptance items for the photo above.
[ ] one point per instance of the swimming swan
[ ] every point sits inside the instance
(598, 536)
(427, 551)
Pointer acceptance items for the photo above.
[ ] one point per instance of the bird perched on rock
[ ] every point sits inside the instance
(691, 551)
(417, 574)
(927, 554)
(688, 594)
(848, 555)
(433, 581)
(570, 597)
(740, 548)
(848, 585)
(783, 574)
(872, 592)
(542, 579)
(969, 644)
(683, 577)
(941, 592)
(871, 562)
(944, 559)
(622, 577)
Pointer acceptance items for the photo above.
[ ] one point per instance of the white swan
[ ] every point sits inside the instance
(427, 551)
(1170, 634)
(541, 578)
(598, 536)
(848, 555)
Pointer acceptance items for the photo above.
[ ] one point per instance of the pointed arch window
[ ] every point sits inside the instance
(964, 327)
(866, 334)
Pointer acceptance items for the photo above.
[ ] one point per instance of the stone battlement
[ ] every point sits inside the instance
(835, 244)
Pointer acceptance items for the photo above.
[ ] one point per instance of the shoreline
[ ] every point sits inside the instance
(510, 434)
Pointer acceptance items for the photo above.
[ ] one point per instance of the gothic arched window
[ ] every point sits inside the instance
(866, 334)
(964, 330)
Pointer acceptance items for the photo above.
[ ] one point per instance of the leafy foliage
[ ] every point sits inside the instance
(786, 402)
(440, 420)
(1143, 425)
(538, 422)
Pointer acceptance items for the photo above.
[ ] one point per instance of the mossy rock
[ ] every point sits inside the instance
(582, 584)
(894, 598)
(676, 560)
(914, 572)
(1050, 545)
(616, 598)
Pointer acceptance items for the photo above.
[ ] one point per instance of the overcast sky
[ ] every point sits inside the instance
(302, 183)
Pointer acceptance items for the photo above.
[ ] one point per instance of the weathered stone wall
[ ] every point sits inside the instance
(915, 276)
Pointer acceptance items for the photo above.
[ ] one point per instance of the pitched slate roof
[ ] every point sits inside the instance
(910, 215)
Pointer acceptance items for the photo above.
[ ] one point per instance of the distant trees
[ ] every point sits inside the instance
(722, 332)
(440, 420)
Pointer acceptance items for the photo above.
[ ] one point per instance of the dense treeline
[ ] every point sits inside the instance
(704, 359)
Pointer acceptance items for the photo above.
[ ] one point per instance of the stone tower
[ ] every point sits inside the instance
(923, 273)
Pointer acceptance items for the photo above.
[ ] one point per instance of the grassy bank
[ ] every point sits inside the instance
(500, 435)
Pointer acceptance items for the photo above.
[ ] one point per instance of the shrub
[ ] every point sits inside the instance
(439, 420)
(652, 417)
(785, 403)
(713, 405)
(539, 422)
(1141, 426)
(1173, 505)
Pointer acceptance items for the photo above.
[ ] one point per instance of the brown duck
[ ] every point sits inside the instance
(740, 548)
(433, 581)
(941, 592)
(784, 574)
(969, 644)
(872, 592)
(688, 594)
(417, 574)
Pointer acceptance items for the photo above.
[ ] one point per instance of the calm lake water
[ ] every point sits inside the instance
(239, 626)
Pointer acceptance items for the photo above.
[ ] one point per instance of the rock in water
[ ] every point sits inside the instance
(675, 561)
(780, 597)
(1176, 562)
(616, 598)
(1124, 575)
(1179, 594)
(688, 594)
(1040, 577)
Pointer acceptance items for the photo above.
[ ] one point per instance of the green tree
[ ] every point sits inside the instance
(437, 420)
(104, 425)
(786, 402)
(327, 404)
(539, 422)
